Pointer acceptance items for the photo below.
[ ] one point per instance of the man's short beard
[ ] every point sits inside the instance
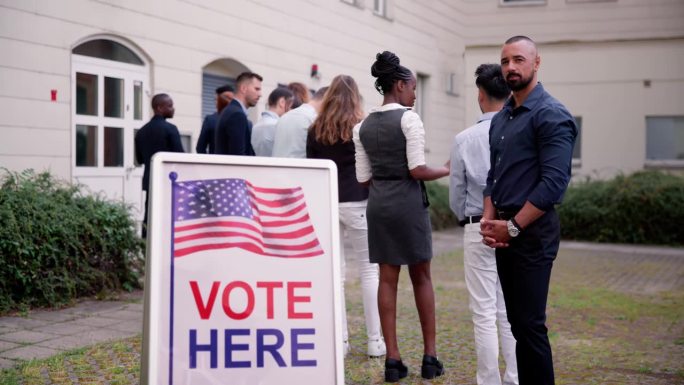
(520, 84)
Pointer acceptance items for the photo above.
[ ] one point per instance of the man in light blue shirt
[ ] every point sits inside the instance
(292, 128)
(467, 181)
(263, 132)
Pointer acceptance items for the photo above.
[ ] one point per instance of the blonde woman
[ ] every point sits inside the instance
(330, 137)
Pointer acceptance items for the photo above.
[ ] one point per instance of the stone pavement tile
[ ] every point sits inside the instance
(96, 321)
(52, 316)
(68, 342)
(26, 336)
(63, 328)
(101, 335)
(6, 345)
(136, 307)
(128, 326)
(6, 364)
(21, 322)
(7, 329)
(29, 352)
(92, 307)
(125, 315)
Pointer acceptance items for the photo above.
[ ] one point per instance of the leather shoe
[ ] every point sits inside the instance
(431, 367)
(395, 370)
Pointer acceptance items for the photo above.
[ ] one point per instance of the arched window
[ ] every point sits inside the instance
(108, 50)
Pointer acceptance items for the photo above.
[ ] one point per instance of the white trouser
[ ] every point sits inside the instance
(487, 305)
(353, 220)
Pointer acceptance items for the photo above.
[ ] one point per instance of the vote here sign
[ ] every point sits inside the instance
(242, 272)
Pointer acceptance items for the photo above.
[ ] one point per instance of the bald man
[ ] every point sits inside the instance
(531, 141)
(155, 136)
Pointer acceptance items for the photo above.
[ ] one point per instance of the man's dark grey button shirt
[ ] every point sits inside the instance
(531, 152)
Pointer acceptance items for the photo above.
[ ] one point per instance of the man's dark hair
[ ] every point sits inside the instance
(515, 39)
(245, 76)
(318, 95)
(489, 78)
(279, 92)
(158, 99)
(224, 88)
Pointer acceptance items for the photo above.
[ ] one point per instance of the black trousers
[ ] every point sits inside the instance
(525, 271)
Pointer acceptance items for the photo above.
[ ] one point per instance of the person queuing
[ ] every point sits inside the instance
(292, 128)
(390, 159)
(330, 137)
(468, 177)
(531, 141)
(263, 132)
(205, 142)
(155, 136)
(233, 134)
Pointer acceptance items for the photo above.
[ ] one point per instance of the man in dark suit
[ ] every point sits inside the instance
(155, 136)
(233, 131)
(205, 142)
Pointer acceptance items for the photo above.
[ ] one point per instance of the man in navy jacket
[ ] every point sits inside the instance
(234, 131)
(155, 136)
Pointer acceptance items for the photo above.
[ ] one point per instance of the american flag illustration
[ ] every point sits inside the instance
(225, 213)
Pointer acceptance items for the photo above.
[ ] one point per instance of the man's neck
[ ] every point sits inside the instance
(521, 96)
(241, 99)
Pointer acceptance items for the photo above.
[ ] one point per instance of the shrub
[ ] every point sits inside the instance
(441, 215)
(646, 207)
(57, 244)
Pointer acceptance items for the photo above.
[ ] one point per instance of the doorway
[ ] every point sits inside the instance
(111, 92)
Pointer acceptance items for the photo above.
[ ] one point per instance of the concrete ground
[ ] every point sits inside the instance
(44, 333)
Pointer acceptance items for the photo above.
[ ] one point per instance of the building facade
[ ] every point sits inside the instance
(77, 76)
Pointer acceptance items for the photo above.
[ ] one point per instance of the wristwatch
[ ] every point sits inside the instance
(513, 228)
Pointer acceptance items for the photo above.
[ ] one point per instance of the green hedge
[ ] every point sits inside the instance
(441, 215)
(57, 244)
(646, 207)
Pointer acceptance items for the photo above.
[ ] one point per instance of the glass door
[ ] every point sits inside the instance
(109, 106)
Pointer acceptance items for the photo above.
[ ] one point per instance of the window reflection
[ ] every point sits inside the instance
(137, 100)
(86, 145)
(86, 94)
(113, 147)
(113, 97)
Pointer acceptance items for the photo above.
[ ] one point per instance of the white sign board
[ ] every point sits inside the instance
(242, 273)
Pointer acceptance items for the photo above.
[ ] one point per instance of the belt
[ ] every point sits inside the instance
(470, 220)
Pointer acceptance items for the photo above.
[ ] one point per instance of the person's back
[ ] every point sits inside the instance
(292, 128)
(205, 142)
(470, 161)
(156, 136)
(263, 132)
(330, 137)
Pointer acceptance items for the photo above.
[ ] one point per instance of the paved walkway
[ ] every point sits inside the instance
(44, 333)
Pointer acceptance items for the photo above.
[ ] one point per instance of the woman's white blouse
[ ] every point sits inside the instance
(413, 130)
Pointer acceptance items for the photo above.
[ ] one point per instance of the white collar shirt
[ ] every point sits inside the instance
(469, 167)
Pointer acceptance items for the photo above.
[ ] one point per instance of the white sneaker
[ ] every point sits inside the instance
(346, 348)
(377, 348)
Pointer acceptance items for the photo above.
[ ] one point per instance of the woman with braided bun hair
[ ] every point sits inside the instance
(390, 159)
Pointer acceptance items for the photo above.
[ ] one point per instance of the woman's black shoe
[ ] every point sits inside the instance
(395, 370)
(431, 367)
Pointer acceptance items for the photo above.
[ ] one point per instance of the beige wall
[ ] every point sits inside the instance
(180, 37)
(595, 58)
